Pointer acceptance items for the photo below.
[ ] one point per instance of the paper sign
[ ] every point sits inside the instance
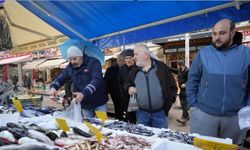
(102, 115)
(94, 130)
(62, 123)
(18, 105)
(208, 145)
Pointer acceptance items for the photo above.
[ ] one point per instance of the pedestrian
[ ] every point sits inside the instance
(218, 84)
(182, 77)
(112, 85)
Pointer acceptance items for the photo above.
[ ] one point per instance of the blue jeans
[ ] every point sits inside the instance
(157, 120)
(91, 112)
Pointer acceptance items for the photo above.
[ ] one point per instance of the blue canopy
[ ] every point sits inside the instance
(114, 23)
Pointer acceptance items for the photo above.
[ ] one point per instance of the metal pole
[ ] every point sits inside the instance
(187, 48)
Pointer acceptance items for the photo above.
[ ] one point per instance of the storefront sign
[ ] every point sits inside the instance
(170, 50)
(5, 55)
(183, 49)
(41, 45)
(193, 42)
(47, 53)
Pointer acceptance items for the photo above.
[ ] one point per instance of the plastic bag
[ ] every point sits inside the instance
(132, 105)
(244, 117)
(73, 112)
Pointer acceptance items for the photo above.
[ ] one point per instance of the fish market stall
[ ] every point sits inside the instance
(50, 128)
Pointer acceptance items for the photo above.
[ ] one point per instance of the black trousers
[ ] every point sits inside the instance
(184, 106)
(118, 108)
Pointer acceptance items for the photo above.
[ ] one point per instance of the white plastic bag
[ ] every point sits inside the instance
(73, 112)
(132, 105)
(244, 117)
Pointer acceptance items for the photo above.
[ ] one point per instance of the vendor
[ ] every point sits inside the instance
(86, 75)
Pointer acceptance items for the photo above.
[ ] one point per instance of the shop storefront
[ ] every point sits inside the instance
(175, 50)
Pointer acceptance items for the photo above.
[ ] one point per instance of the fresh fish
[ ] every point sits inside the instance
(27, 114)
(64, 141)
(80, 132)
(12, 125)
(18, 132)
(39, 136)
(25, 140)
(52, 135)
(37, 128)
(131, 128)
(6, 135)
(31, 146)
(2, 128)
(177, 136)
(63, 134)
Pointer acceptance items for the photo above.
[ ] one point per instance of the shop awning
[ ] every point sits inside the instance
(64, 65)
(33, 64)
(15, 59)
(50, 64)
(113, 23)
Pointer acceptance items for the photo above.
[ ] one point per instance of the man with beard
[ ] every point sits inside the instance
(219, 84)
(86, 75)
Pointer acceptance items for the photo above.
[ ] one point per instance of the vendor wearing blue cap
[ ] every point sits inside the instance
(86, 75)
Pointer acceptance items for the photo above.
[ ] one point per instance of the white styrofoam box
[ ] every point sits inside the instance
(5, 118)
(215, 139)
(169, 145)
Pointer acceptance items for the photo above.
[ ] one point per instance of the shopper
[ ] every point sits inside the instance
(112, 84)
(86, 75)
(155, 88)
(219, 84)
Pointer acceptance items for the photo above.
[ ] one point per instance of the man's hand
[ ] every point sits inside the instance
(78, 96)
(53, 92)
(183, 86)
(132, 90)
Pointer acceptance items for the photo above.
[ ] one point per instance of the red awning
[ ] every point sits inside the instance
(16, 59)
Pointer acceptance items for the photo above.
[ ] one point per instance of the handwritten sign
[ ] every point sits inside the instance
(18, 105)
(95, 131)
(62, 123)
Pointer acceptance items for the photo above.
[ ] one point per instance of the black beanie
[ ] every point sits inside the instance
(128, 52)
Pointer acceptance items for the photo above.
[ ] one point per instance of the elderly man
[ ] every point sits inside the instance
(155, 88)
(218, 84)
(86, 75)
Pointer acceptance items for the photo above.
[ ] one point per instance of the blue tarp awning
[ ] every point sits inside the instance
(114, 23)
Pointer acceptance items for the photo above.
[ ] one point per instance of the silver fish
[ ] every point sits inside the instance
(7, 136)
(39, 136)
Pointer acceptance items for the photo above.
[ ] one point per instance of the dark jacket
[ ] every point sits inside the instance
(111, 81)
(126, 79)
(167, 82)
(182, 76)
(86, 79)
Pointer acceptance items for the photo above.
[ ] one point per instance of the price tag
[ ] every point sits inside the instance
(18, 105)
(208, 145)
(102, 115)
(94, 130)
(62, 123)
